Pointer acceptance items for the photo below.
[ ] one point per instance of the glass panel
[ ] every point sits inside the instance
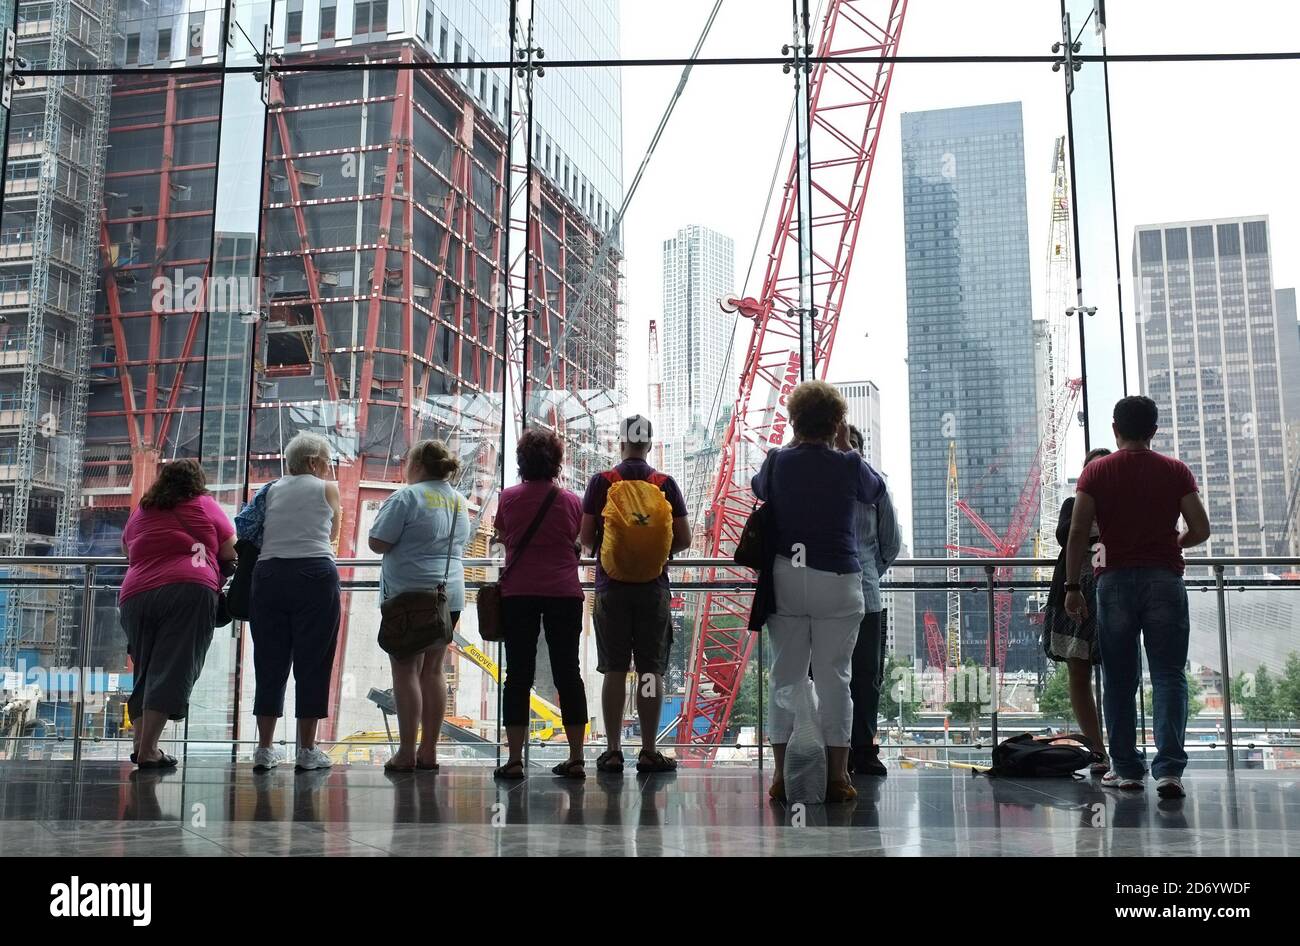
(382, 256)
(1197, 27)
(1264, 662)
(1096, 250)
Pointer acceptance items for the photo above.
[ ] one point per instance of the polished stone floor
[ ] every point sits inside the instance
(213, 809)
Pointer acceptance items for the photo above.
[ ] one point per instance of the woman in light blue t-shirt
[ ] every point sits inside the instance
(421, 531)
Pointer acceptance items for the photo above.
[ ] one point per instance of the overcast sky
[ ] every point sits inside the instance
(1191, 141)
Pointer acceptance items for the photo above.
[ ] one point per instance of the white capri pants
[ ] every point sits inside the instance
(816, 623)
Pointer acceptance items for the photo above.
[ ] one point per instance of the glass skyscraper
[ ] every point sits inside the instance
(970, 342)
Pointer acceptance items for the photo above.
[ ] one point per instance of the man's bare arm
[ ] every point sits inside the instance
(1198, 521)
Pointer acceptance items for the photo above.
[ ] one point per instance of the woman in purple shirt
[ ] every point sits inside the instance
(539, 587)
(815, 485)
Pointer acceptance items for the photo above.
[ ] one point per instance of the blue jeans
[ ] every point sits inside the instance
(1151, 602)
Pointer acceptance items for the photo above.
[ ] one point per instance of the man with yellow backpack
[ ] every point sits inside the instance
(633, 519)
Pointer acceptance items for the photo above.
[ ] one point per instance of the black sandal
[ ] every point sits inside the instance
(570, 768)
(164, 761)
(503, 771)
(605, 762)
(648, 762)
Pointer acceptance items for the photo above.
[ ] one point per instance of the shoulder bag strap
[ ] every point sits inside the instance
(532, 528)
(451, 538)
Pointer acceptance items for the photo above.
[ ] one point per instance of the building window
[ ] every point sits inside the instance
(370, 16)
(293, 22)
(164, 45)
(132, 48)
(328, 15)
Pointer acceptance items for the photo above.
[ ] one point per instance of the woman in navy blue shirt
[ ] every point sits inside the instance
(815, 485)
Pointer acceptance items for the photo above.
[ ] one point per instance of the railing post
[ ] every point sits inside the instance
(1225, 674)
(992, 658)
(762, 728)
(83, 658)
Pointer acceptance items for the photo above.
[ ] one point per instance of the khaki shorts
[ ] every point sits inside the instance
(633, 624)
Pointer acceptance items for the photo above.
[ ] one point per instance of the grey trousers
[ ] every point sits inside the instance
(168, 632)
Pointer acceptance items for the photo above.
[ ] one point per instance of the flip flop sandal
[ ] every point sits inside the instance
(611, 760)
(164, 762)
(572, 768)
(426, 768)
(389, 767)
(504, 771)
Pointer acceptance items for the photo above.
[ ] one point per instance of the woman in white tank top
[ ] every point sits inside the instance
(296, 604)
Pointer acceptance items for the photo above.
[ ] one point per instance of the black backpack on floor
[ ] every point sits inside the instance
(1030, 756)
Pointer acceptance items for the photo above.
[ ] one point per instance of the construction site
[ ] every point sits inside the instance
(423, 264)
(387, 245)
(396, 221)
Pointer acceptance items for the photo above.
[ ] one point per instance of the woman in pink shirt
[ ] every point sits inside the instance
(538, 522)
(174, 542)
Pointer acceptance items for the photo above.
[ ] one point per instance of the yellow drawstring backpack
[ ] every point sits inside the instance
(638, 528)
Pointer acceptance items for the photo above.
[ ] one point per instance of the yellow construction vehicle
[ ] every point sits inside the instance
(545, 720)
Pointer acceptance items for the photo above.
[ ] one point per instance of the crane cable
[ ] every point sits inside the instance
(716, 407)
(607, 240)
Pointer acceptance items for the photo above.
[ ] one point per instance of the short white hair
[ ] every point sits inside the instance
(302, 449)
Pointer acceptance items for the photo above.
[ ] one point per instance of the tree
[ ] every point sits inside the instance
(1258, 697)
(900, 692)
(969, 702)
(745, 711)
(1288, 688)
(1055, 698)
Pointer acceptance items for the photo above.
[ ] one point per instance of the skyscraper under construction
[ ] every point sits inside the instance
(389, 230)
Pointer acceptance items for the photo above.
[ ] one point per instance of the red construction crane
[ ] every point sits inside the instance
(847, 91)
(938, 648)
(1023, 517)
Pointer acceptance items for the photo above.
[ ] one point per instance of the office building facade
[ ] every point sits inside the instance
(864, 413)
(1210, 354)
(698, 271)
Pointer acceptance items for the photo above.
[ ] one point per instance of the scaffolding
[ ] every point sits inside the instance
(56, 153)
(384, 263)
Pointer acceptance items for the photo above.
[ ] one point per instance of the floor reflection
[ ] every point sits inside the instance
(111, 809)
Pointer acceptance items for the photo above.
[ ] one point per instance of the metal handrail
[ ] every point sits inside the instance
(1249, 561)
(90, 564)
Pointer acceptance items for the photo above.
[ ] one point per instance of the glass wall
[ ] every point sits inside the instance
(390, 220)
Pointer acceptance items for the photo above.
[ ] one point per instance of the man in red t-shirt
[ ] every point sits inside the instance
(1137, 496)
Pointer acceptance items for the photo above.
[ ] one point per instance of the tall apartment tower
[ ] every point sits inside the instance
(1210, 354)
(698, 270)
(970, 340)
(864, 413)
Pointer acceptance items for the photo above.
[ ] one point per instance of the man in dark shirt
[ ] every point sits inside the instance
(1137, 496)
(632, 619)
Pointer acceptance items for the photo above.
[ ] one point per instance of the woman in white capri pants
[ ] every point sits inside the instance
(814, 485)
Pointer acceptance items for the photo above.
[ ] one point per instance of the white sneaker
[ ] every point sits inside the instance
(1171, 786)
(266, 759)
(312, 758)
(1113, 779)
